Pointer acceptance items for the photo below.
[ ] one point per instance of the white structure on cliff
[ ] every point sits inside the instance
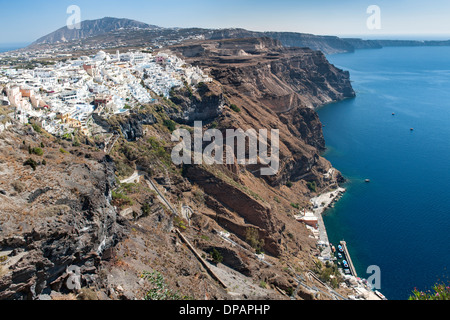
(56, 93)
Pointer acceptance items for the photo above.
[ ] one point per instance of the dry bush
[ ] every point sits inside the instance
(18, 186)
(87, 294)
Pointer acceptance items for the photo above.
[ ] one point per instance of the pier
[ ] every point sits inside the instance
(349, 259)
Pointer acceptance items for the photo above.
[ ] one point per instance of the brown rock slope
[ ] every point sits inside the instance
(55, 212)
(275, 88)
(72, 210)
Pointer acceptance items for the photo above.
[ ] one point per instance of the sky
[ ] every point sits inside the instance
(24, 21)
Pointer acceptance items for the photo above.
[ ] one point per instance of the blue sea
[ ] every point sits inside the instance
(4, 47)
(400, 221)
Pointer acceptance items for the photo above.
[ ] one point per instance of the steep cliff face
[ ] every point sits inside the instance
(326, 44)
(272, 88)
(276, 88)
(263, 69)
(204, 105)
(131, 126)
(64, 213)
(299, 78)
(52, 217)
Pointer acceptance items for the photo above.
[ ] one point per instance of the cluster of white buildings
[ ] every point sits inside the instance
(62, 97)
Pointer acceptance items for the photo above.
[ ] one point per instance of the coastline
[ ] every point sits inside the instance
(361, 287)
(320, 204)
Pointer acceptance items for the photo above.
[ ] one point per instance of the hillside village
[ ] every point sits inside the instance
(62, 97)
(62, 94)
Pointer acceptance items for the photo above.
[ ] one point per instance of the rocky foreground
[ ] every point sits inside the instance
(63, 203)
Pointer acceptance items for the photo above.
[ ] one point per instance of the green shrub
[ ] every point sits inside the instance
(213, 125)
(295, 205)
(312, 186)
(30, 162)
(252, 238)
(180, 223)
(159, 151)
(37, 151)
(439, 292)
(123, 169)
(146, 210)
(216, 256)
(121, 200)
(334, 283)
(159, 289)
(328, 273)
(235, 108)
(290, 291)
(171, 125)
(289, 184)
(36, 128)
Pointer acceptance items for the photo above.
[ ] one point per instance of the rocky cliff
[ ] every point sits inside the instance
(275, 87)
(326, 44)
(56, 212)
(203, 228)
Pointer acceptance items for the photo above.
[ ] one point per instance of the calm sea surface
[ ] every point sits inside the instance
(400, 221)
(4, 47)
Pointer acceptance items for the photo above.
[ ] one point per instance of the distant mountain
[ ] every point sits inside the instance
(125, 32)
(91, 28)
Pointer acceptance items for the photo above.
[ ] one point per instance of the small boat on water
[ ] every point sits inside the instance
(340, 248)
(339, 255)
(345, 263)
(412, 129)
(367, 180)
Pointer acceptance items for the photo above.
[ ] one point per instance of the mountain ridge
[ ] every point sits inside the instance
(141, 34)
(91, 28)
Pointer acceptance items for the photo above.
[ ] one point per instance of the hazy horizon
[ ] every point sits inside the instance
(29, 20)
(418, 37)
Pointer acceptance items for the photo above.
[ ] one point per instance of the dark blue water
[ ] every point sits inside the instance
(401, 220)
(4, 47)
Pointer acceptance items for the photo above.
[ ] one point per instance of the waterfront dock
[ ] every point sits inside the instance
(349, 259)
(320, 204)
